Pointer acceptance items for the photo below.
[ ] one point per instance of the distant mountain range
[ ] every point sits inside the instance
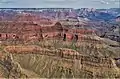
(91, 14)
(100, 14)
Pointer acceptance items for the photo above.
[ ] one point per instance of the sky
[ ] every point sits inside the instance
(59, 4)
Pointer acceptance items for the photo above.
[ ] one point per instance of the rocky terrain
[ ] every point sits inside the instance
(59, 44)
(58, 61)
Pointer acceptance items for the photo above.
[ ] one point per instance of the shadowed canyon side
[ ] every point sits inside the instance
(59, 43)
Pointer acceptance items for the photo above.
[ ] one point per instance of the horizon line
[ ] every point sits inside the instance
(59, 8)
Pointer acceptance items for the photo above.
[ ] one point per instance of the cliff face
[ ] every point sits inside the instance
(57, 63)
(19, 31)
(58, 59)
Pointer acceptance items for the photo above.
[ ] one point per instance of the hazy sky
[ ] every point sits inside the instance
(59, 3)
